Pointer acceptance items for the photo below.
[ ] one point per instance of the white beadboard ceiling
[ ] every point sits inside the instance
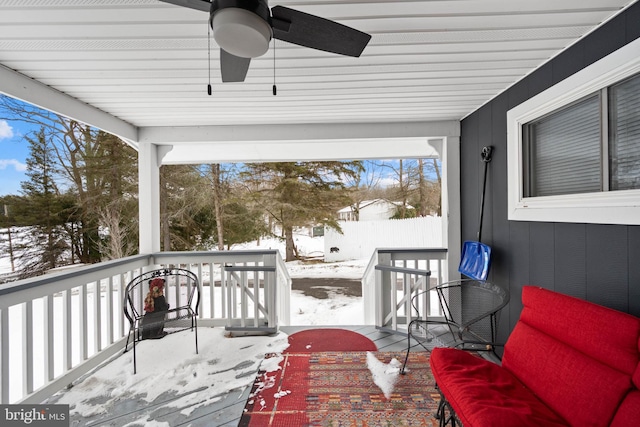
(145, 63)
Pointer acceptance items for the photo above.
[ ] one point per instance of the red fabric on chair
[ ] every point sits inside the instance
(563, 348)
(582, 390)
(567, 362)
(629, 412)
(604, 334)
(484, 395)
(636, 374)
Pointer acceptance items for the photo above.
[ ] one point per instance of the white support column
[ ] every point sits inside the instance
(449, 149)
(149, 197)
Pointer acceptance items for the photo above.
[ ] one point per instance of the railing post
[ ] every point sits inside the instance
(393, 309)
(97, 316)
(27, 345)
(264, 299)
(271, 291)
(383, 289)
(66, 331)
(109, 308)
(82, 325)
(49, 342)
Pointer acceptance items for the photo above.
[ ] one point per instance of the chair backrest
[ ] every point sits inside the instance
(474, 305)
(181, 289)
(579, 358)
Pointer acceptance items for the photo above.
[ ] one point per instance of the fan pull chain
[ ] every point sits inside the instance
(209, 57)
(275, 90)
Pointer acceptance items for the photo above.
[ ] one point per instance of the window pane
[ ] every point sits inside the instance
(564, 151)
(624, 135)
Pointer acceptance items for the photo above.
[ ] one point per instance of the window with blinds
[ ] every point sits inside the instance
(624, 134)
(563, 151)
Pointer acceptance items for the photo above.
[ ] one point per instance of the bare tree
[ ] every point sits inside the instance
(216, 185)
(116, 244)
(96, 167)
(417, 183)
(365, 185)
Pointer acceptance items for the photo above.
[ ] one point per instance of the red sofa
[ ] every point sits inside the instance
(568, 362)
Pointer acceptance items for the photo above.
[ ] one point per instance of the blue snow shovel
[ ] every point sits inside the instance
(475, 259)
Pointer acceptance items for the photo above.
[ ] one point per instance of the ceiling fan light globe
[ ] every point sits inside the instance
(241, 33)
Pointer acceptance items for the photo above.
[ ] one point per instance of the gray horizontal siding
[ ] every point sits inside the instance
(600, 263)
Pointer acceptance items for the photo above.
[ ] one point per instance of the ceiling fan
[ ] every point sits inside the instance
(244, 28)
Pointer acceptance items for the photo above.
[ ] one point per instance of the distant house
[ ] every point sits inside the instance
(370, 210)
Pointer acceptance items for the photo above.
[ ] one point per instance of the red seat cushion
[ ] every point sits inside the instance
(485, 395)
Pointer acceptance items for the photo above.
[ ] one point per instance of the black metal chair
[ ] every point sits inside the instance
(182, 291)
(470, 314)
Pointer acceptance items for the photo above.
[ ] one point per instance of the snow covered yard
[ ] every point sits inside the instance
(338, 309)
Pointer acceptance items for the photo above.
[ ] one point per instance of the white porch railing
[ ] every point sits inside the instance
(251, 290)
(393, 277)
(55, 328)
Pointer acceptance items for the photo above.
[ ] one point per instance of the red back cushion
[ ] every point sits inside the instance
(636, 374)
(606, 335)
(580, 389)
(575, 356)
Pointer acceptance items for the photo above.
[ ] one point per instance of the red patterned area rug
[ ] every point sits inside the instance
(332, 389)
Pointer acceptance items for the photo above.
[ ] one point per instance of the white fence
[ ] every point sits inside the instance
(361, 238)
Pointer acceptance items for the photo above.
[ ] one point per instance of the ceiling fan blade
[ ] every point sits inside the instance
(317, 33)
(203, 5)
(234, 68)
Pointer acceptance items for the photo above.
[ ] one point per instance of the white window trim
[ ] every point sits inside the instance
(614, 207)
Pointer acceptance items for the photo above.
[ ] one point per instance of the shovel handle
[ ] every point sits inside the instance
(485, 154)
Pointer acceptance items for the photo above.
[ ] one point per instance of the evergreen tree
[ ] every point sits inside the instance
(97, 170)
(242, 223)
(238, 219)
(301, 194)
(44, 247)
(186, 215)
(8, 221)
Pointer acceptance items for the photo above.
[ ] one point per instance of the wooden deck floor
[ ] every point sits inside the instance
(228, 409)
